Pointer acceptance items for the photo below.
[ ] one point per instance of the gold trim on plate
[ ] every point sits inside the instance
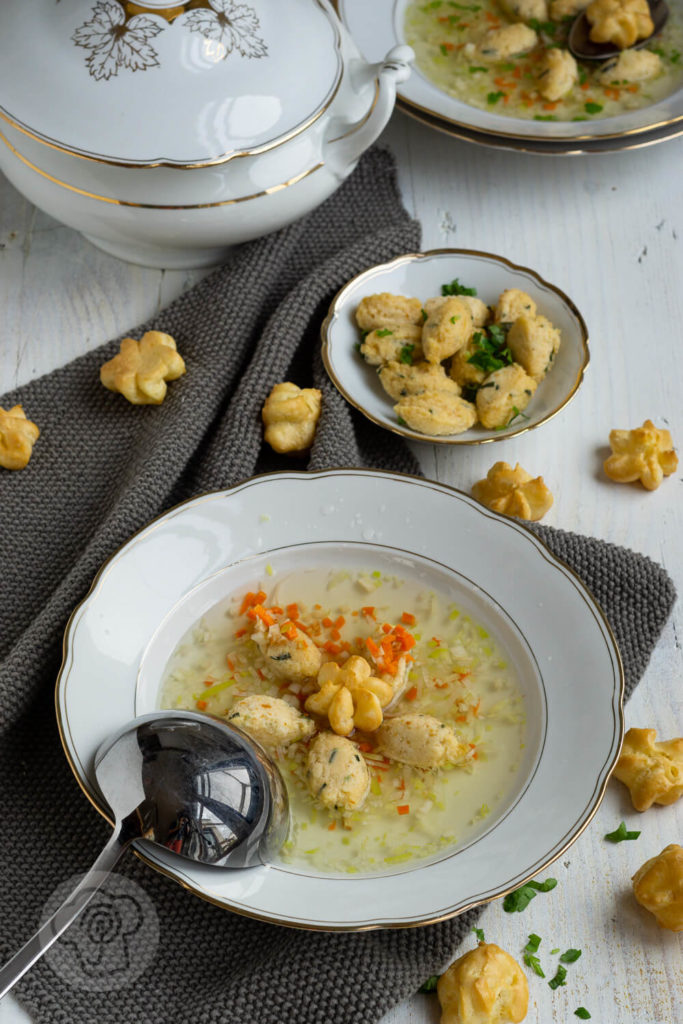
(156, 206)
(448, 439)
(596, 795)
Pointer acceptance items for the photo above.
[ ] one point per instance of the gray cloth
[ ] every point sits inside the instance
(100, 471)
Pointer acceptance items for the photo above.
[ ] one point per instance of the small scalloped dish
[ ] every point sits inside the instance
(421, 275)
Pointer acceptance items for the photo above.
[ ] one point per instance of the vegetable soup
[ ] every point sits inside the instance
(432, 753)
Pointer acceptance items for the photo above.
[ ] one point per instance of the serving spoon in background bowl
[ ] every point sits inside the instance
(583, 47)
(187, 782)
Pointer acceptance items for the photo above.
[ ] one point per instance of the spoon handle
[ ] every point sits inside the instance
(22, 960)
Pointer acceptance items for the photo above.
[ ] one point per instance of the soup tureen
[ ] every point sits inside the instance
(168, 132)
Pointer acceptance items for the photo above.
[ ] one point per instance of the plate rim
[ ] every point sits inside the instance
(450, 439)
(594, 800)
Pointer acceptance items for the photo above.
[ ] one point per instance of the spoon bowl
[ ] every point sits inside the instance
(583, 47)
(196, 786)
(187, 782)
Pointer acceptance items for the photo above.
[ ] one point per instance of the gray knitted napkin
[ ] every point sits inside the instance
(100, 471)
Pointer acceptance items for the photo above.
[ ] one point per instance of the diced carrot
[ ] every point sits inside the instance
(441, 686)
(408, 618)
(461, 718)
(240, 632)
(331, 648)
(293, 610)
(585, 85)
(335, 634)
(411, 694)
(550, 106)
(462, 675)
(332, 826)
(250, 599)
(201, 705)
(230, 663)
(339, 622)
(327, 622)
(475, 708)
(403, 808)
(386, 628)
(517, 73)
(289, 630)
(372, 647)
(632, 88)
(275, 609)
(260, 674)
(369, 611)
(209, 682)
(365, 748)
(345, 646)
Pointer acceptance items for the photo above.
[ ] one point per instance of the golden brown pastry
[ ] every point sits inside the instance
(644, 454)
(485, 986)
(17, 437)
(652, 771)
(658, 886)
(140, 371)
(290, 415)
(513, 492)
(622, 22)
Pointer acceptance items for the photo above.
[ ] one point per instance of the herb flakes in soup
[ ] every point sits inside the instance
(511, 58)
(394, 717)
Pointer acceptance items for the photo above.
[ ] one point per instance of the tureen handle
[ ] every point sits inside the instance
(345, 151)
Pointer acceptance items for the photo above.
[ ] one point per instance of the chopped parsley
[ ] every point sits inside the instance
(465, 7)
(490, 349)
(474, 68)
(545, 117)
(454, 318)
(384, 333)
(430, 984)
(479, 932)
(406, 354)
(515, 413)
(444, 49)
(559, 978)
(520, 899)
(424, 315)
(533, 962)
(455, 288)
(556, 950)
(620, 834)
(592, 108)
(401, 422)
(570, 956)
(530, 959)
(548, 28)
(582, 1013)
(493, 97)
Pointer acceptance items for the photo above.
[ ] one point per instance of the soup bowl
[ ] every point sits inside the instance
(180, 571)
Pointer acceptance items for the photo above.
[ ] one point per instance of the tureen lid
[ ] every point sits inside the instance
(156, 82)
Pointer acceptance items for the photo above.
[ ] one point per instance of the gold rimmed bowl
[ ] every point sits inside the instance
(422, 275)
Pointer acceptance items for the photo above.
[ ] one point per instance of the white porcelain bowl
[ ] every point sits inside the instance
(421, 275)
(168, 575)
(170, 134)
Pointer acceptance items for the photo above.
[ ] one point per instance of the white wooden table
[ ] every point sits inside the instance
(609, 231)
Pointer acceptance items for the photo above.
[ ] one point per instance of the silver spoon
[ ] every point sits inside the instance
(583, 47)
(187, 782)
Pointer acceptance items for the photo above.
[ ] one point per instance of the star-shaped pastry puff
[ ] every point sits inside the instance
(646, 454)
(17, 437)
(652, 771)
(513, 492)
(140, 370)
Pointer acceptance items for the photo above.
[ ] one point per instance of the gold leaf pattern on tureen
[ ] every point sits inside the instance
(119, 34)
